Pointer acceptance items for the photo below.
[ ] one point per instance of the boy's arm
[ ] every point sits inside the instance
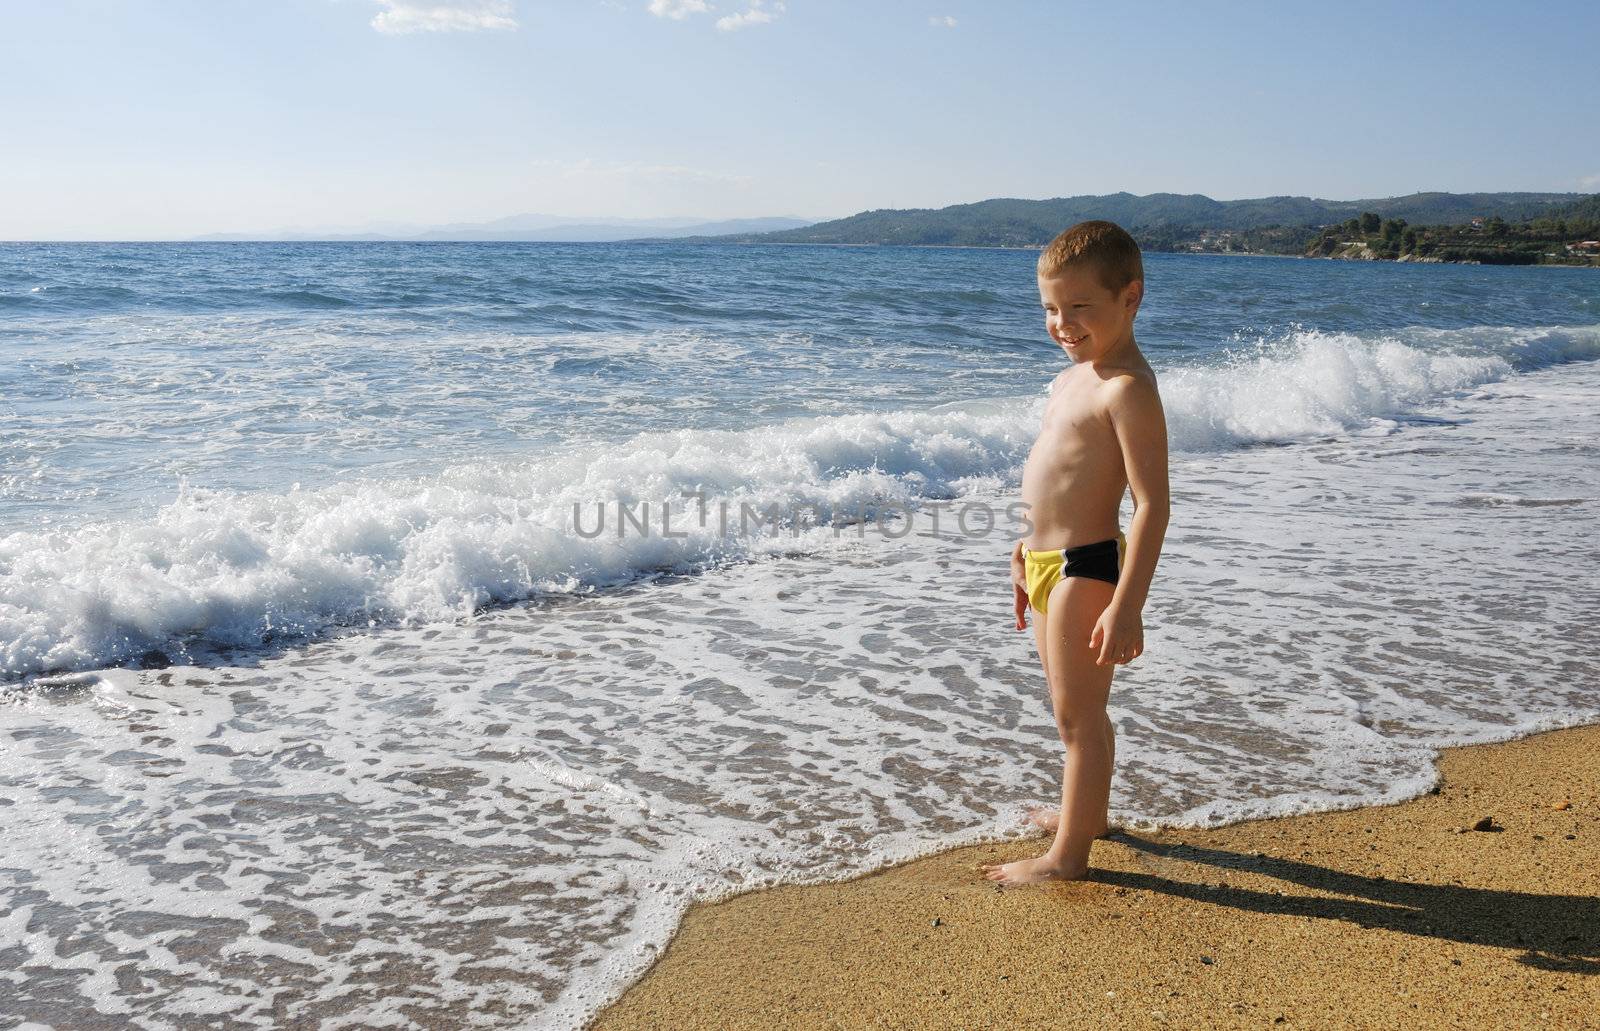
(1141, 428)
(1019, 586)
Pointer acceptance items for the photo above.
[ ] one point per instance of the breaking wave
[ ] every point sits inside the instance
(220, 569)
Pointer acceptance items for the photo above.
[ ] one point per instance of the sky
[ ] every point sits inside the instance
(161, 119)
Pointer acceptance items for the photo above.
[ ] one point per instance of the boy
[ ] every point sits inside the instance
(1103, 432)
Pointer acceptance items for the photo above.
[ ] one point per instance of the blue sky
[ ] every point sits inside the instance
(167, 118)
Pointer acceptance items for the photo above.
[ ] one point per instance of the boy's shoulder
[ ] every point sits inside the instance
(1110, 383)
(1136, 377)
(1129, 390)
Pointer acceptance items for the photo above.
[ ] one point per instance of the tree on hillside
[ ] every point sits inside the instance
(1370, 223)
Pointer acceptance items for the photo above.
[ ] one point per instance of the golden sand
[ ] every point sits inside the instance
(1395, 916)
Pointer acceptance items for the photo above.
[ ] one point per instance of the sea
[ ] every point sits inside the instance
(405, 635)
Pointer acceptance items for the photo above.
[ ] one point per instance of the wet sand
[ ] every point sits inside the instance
(1393, 916)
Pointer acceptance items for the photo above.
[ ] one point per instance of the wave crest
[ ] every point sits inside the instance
(224, 569)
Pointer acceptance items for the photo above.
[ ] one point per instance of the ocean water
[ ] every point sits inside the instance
(323, 701)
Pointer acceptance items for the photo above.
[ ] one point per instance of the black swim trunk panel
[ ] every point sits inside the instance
(1097, 561)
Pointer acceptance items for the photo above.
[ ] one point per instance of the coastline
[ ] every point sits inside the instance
(1038, 247)
(1396, 915)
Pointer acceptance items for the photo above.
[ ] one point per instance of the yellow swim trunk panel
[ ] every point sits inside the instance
(1042, 570)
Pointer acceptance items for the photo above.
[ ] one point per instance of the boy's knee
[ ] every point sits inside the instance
(1071, 728)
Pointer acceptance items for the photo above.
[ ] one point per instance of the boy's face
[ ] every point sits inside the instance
(1084, 317)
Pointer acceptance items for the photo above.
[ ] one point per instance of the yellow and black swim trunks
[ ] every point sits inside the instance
(1044, 569)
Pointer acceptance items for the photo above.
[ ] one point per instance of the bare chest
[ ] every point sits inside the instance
(1074, 424)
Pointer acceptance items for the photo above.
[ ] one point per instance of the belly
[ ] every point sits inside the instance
(1068, 503)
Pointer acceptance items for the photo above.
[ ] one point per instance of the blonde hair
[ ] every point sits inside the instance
(1105, 246)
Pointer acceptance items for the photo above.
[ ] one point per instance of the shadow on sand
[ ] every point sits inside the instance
(1558, 933)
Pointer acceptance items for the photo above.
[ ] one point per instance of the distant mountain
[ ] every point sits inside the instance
(533, 229)
(1031, 223)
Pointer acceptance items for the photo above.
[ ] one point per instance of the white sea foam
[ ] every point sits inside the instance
(502, 819)
(220, 569)
(1313, 384)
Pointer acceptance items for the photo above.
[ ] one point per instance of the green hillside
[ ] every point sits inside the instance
(1164, 221)
(1567, 235)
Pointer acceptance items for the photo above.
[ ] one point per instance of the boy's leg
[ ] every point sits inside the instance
(1078, 692)
(1049, 817)
(1041, 640)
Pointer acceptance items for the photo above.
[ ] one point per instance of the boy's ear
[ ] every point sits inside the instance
(1134, 294)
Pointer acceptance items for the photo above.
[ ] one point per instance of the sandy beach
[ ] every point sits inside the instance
(1394, 916)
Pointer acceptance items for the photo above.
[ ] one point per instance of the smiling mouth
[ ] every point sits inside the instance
(1075, 341)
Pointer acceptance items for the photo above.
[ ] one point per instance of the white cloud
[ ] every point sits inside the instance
(678, 9)
(758, 14)
(402, 16)
(1589, 182)
(942, 21)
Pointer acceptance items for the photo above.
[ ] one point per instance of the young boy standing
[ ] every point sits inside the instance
(1103, 432)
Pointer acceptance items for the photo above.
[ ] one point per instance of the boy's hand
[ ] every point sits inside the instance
(1019, 587)
(1118, 637)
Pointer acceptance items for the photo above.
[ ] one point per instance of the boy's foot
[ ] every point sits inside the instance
(1049, 819)
(1032, 871)
(1045, 819)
